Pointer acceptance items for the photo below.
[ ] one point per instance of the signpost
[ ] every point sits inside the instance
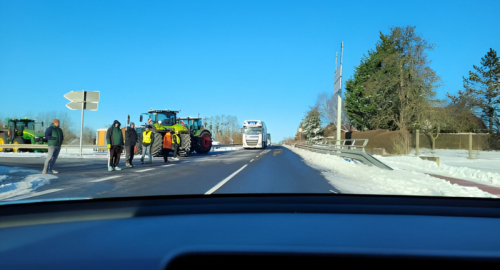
(82, 100)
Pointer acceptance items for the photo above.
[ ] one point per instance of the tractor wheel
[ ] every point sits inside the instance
(157, 145)
(185, 145)
(17, 141)
(205, 143)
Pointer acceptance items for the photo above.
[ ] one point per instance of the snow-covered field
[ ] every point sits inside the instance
(483, 168)
(353, 177)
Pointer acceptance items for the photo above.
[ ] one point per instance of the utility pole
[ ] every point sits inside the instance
(337, 88)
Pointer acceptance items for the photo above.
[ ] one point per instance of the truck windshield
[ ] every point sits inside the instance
(253, 131)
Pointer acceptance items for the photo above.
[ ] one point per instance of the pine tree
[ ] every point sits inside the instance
(311, 125)
(482, 91)
(360, 106)
(393, 83)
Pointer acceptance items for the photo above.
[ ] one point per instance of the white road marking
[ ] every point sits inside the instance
(38, 193)
(168, 165)
(333, 191)
(105, 178)
(145, 170)
(251, 160)
(221, 183)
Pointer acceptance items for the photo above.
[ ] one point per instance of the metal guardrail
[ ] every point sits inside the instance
(44, 146)
(227, 145)
(352, 144)
(359, 155)
(64, 148)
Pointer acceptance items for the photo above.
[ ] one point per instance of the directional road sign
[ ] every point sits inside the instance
(78, 106)
(79, 96)
(82, 100)
(89, 98)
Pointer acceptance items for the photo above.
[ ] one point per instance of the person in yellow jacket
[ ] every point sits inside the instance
(175, 143)
(147, 141)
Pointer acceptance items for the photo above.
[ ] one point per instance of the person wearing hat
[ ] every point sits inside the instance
(130, 141)
(54, 137)
(114, 137)
(147, 140)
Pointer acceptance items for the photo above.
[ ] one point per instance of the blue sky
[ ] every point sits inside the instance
(263, 60)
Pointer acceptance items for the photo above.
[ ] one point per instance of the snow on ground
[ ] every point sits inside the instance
(16, 181)
(483, 168)
(356, 178)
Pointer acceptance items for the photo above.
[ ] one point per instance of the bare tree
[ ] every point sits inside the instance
(327, 106)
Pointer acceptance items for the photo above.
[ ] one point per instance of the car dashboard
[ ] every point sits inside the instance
(249, 231)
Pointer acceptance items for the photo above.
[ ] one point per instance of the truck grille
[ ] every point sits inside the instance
(252, 142)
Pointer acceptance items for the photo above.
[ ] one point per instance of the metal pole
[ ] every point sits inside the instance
(339, 99)
(417, 142)
(81, 126)
(339, 122)
(470, 145)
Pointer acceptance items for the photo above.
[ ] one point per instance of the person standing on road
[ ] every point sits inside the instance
(114, 138)
(147, 140)
(175, 143)
(167, 146)
(54, 136)
(130, 141)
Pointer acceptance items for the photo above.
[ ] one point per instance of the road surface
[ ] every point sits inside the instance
(273, 170)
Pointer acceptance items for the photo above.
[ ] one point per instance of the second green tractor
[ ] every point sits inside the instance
(193, 136)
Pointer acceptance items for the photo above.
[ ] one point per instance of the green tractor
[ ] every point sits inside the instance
(201, 138)
(21, 131)
(164, 121)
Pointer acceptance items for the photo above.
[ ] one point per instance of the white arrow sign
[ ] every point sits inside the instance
(78, 96)
(78, 106)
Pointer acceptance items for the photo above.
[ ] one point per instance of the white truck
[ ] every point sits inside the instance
(254, 134)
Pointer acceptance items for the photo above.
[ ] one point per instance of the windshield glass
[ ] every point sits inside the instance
(383, 98)
(253, 131)
(166, 118)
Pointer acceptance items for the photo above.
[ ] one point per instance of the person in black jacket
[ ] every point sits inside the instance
(114, 138)
(130, 141)
(54, 136)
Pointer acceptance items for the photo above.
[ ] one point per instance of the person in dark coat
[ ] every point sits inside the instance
(130, 141)
(54, 136)
(114, 137)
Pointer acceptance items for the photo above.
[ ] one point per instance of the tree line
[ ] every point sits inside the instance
(224, 128)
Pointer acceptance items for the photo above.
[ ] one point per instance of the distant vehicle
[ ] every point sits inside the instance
(254, 134)
(21, 131)
(268, 139)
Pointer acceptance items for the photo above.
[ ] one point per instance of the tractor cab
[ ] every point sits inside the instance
(162, 118)
(192, 123)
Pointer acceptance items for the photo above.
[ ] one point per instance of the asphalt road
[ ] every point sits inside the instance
(273, 170)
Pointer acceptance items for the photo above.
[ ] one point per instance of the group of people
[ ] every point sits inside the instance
(115, 143)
